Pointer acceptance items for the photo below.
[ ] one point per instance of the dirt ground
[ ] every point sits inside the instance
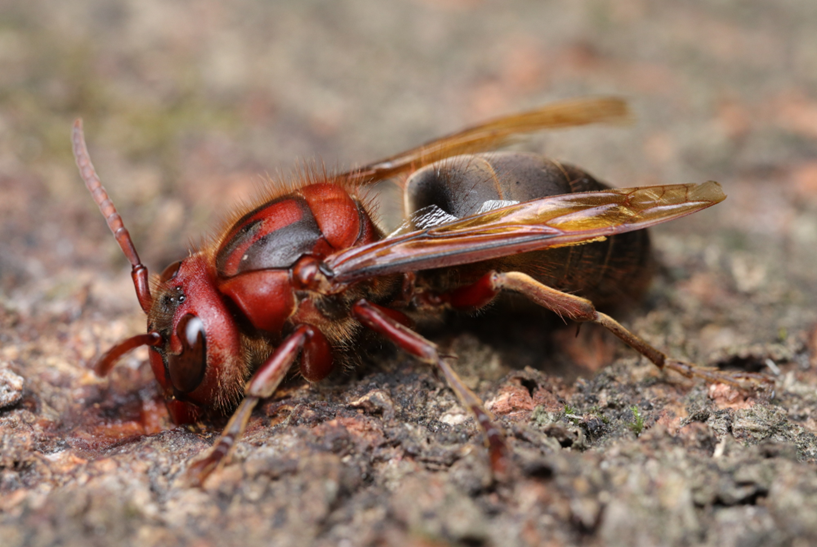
(190, 106)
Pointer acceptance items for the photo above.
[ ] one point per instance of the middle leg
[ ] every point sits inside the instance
(377, 319)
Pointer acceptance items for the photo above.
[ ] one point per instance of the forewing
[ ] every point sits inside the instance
(494, 133)
(540, 224)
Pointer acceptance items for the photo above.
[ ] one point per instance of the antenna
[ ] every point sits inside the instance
(139, 273)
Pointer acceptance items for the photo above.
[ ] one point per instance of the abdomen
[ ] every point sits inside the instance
(607, 272)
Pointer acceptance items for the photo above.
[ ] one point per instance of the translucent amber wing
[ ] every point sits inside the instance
(545, 223)
(493, 134)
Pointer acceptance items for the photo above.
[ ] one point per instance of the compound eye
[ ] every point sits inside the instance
(187, 368)
(170, 272)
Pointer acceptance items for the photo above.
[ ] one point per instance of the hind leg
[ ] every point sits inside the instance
(582, 310)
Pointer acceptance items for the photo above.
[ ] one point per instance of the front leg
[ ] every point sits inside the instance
(262, 385)
(378, 319)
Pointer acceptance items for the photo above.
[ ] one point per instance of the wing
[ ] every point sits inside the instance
(535, 225)
(493, 134)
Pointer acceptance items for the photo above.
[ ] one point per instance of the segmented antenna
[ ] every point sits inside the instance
(139, 272)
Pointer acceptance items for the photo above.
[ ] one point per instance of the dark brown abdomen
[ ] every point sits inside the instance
(607, 272)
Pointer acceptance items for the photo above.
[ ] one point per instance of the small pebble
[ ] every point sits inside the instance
(11, 388)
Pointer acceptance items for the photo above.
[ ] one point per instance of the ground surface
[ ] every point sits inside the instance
(187, 103)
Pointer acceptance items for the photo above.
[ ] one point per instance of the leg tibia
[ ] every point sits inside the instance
(372, 317)
(581, 309)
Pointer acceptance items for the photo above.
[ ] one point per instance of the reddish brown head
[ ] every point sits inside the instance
(200, 358)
